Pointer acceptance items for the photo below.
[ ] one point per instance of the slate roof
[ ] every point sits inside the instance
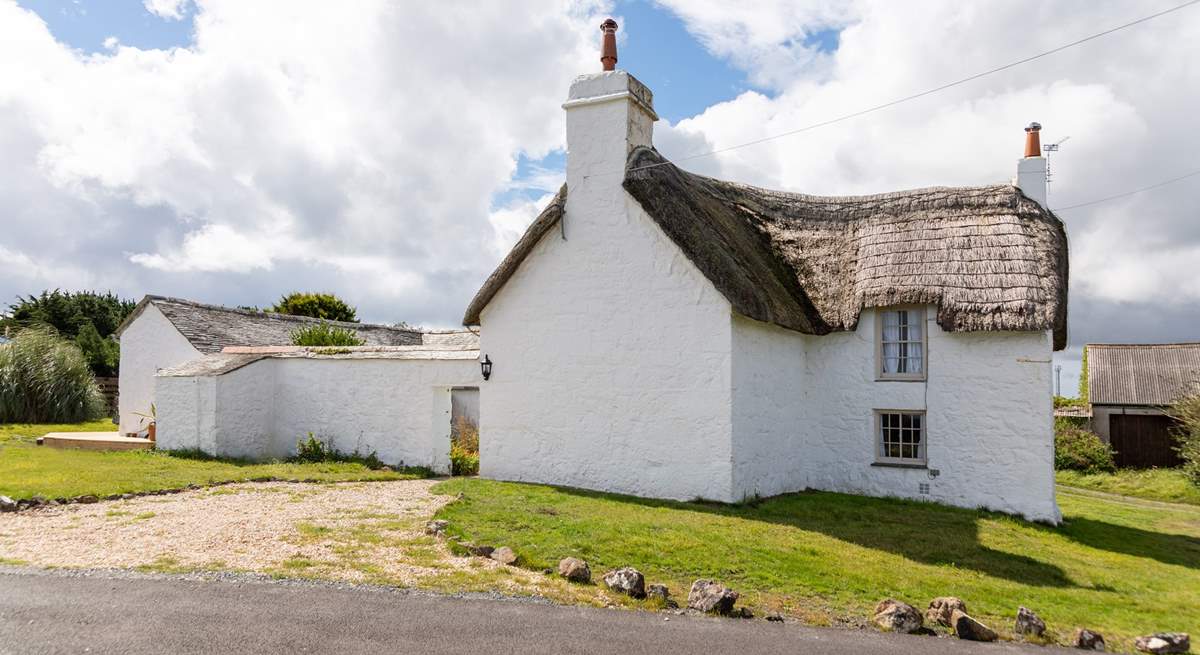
(209, 328)
(989, 257)
(1142, 374)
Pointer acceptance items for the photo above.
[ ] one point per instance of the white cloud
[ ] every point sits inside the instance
(167, 9)
(294, 143)
(509, 222)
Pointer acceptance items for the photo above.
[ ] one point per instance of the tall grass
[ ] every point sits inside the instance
(1187, 411)
(324, 334)
(46, 379)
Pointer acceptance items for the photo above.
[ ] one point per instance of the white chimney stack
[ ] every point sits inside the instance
(1031, 169)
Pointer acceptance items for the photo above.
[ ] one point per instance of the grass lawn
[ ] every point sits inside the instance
(27, 469)
(1169, 485)
(1120, 566)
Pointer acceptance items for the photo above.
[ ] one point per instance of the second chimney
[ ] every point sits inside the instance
(608, 51)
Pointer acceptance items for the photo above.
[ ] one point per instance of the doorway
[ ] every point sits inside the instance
(464, 431)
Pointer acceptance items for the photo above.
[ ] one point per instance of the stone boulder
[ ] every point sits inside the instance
(87, 500)
(711, 596)
(436, 527)
(1088, 640)
(7, 504)
(895, 616)
(663, 594)
(628, 581)
(942, 607)
(479, 551)
(1028, 624)
(504, 555)
(1164, 642)
(574, 569)
(970, 629)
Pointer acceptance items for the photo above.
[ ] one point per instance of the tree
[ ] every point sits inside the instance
(87, 317)
(317, 305)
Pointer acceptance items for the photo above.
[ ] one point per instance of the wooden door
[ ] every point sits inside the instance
(1143, 440)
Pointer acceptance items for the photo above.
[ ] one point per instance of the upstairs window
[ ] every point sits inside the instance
(901, 344)
(901, 437)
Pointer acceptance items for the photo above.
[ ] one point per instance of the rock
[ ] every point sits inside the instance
(895, 616)
(968, 628)
(38, 499)
(711, 596)
(504, 555)
(1163, 642)
(1088, 640)
(7, 504)
(663, 594)
(436, 527)
(574, 569)
(775, 618)
(1028, 624)
(479, 551)
(628, 581)
(87, 500)
(744, 613)
(942, 607)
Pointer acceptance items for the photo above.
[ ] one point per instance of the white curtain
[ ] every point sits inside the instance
(902, 342)
(916, 358)
(891, 339)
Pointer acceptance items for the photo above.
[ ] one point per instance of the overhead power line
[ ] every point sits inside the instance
(921, 94)
(1128, 193)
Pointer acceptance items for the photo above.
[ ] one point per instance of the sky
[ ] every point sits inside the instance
(391, 153)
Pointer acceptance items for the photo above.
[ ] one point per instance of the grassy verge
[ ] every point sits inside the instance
(1168, 485)
(27, 470)
(1122, 569)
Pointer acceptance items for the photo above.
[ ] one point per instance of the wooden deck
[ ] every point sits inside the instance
(95, 441)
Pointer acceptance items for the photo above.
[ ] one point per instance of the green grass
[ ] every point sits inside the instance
(27, 470)
(1122, 567)
(1169, 485)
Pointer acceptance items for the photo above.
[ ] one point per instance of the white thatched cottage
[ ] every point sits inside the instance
(229, 382)
(659, 333)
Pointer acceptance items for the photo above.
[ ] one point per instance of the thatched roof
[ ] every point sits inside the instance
(209, 328)
(1142, 374)
(988, 257)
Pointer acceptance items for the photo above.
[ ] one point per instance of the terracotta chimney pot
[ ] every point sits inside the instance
(608, 52)
(1033, 140)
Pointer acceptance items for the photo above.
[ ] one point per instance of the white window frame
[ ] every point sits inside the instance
(916, 315)
(922, 458)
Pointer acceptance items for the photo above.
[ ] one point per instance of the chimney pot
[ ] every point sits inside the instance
(608, 51)
(1033, 140)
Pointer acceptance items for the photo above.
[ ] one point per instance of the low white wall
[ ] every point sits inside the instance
(148, 343)
(400, 409)
(988, 416)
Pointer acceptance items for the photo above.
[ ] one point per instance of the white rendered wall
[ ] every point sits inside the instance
(186, 413)
(149, 343)
(988, 418)
(611, 351)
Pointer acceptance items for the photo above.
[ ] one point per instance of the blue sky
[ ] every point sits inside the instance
(85, 24)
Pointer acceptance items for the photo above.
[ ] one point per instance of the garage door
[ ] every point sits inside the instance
(1142, 441)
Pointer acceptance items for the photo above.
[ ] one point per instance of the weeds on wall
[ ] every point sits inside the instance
(464, 447)
(312, 450)
(324, 334)
(46, 379)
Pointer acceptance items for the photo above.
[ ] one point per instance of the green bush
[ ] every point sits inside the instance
(462, 461)
(317, 305)
(45, 379)
(88, 317)
(1077, 449)
(312, 451)
(464, 447)
(324, 334)
(1187, 412)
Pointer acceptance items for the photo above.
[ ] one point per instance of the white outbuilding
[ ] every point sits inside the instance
(664, 334)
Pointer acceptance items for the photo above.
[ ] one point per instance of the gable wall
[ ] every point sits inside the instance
(988, 416)
(148, 343)
(611, 362)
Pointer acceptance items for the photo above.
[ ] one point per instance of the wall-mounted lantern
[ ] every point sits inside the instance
(486, 367)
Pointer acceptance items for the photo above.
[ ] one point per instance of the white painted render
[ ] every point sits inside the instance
(989, 423)
(1031, 178)
(148, 343)
(610, 349)
(400, 409)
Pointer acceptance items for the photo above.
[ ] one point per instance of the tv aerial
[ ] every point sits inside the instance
(1049, 148)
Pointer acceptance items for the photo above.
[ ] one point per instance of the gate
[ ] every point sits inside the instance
(1143, 440)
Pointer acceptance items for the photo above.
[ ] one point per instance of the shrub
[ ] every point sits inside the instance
(463, 462)
(1187, 412)
(317, 305)
(103, 355)
(45, 379)
(312, 451)
(86, 316)
(464, 447)
(1077, 449)
(324, 334)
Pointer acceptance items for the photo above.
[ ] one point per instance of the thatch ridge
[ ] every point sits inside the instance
(542, 224)
(989, 257)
